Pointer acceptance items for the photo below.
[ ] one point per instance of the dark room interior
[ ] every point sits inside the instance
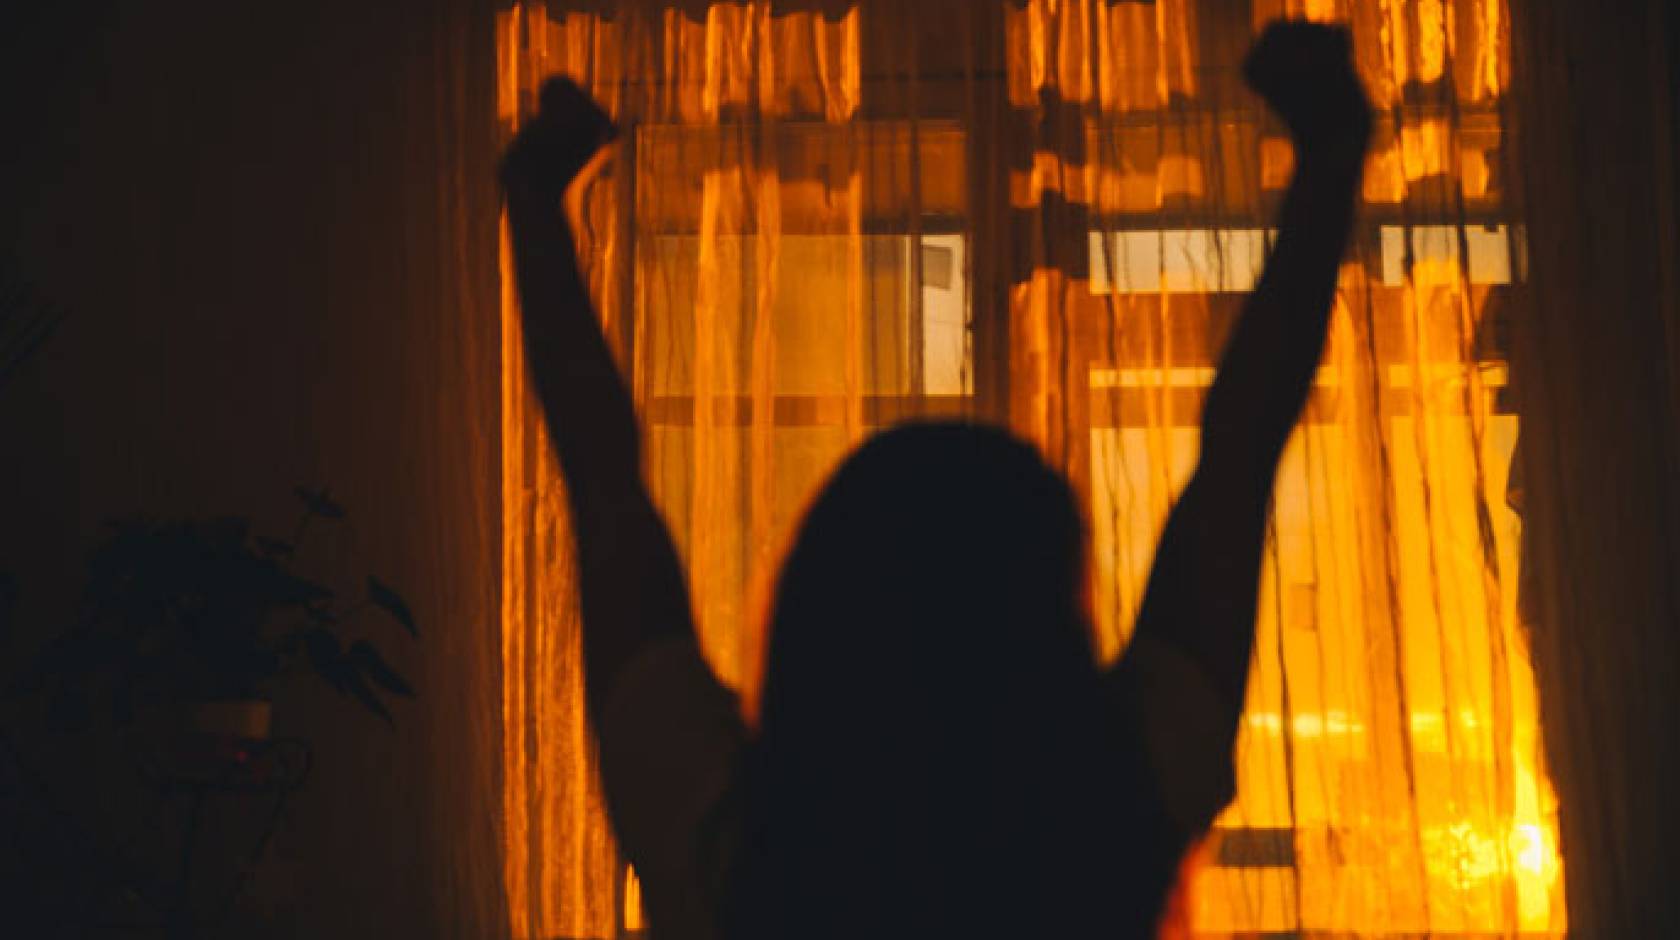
(267, 263)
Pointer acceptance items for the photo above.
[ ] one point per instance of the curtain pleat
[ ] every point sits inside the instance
(1598, 362)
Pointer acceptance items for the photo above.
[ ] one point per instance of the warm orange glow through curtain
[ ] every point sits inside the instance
(827, 216)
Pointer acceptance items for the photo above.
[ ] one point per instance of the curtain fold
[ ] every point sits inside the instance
(828, 217)
(1598, 357)
(725, 248)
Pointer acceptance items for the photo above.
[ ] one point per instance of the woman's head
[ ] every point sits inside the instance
(929, 689)
(947, 553)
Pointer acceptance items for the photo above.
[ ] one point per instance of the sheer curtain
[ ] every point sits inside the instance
(826, 217)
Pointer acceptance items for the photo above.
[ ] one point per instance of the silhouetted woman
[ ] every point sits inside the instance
(938, 755)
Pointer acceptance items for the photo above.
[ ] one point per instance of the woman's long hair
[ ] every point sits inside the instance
(928, 756)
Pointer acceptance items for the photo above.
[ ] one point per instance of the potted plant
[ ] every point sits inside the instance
(192, 624)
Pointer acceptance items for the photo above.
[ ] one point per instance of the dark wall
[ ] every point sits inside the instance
(273, 229)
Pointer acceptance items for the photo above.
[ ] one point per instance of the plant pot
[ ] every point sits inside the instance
(202, 741)
(247, 720)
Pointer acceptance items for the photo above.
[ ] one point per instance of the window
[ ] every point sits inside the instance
(832, 216)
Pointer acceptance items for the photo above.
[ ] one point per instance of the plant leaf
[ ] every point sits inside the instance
(357, 686)
(392, 603)
(368, 660)
(327, 657)
(319, 502)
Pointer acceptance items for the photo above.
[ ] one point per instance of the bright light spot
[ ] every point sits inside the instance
(1533, 847)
